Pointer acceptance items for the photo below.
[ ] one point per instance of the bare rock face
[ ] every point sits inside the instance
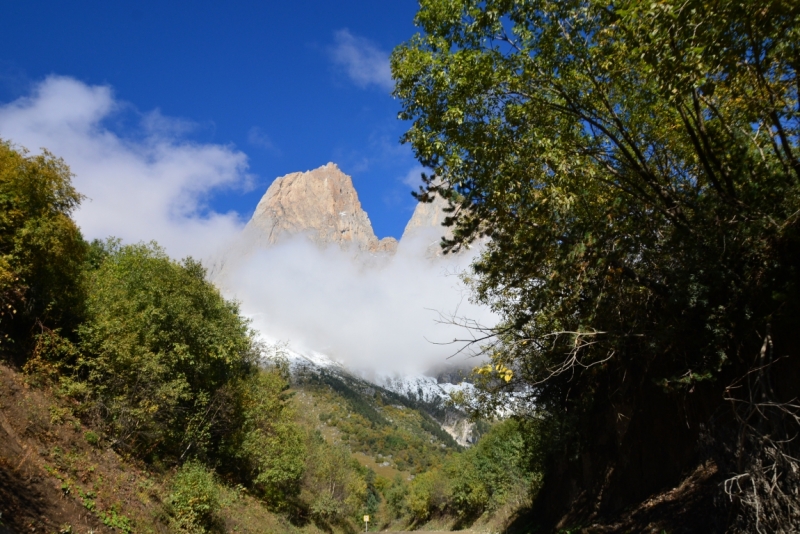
(323, 205)
(427, 215)
(425, 226)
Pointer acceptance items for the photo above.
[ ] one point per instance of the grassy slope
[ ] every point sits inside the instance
(55, 476)
(52, 479)
(370, 420)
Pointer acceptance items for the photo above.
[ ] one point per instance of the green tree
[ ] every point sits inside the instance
(396, 495)
(635, 165)
(428, 495)
(272, 444)
(492, 473)
(161, 352)
(334, 488)
(194, 499)
(41, 249)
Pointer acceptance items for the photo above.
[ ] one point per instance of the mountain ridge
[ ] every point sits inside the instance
(425, 393)
(323, 204)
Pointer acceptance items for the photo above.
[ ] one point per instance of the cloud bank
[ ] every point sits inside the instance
(380, 315)
(363, 62)
(152, 186)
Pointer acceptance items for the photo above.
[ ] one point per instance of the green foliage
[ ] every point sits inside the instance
(490, 474)
(272, 446)
(116, 521)
(637, 168)
(91, 437)
(41, 249)
(373, 497)
(396, 495)
(639, 180)
(194, 500)
(622, 164)
(498, 471)
(161, 350)
(334, 486)
(429, 494)
(372, 426)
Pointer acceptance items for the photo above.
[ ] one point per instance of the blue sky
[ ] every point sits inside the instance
(282, 86)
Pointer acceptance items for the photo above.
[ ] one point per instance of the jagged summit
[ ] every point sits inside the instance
(322, 204)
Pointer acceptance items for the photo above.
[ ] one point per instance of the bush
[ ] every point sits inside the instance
(429, 494)
(91, 438)
(161, 351)
(272, 445)
(396, 495)
(485, 477)
(194, 500)
(334, 487)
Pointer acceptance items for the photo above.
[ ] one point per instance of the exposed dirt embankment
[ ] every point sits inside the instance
(58, 476)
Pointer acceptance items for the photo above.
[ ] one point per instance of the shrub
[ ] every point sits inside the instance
(272, 445)
(91, 438)
(194, 500)
(160, 351)
(396, 495)
(333, 488)
(429, 494)
(486, 476)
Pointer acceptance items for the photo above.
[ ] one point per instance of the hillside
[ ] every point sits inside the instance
(428, 395)
(60, 475)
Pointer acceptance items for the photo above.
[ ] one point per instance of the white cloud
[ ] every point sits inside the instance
(153, 186)
(363, 62)
(155, 123)
(372, 315)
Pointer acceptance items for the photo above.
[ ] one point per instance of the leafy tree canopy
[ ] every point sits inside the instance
(160, 349)
(41, 248)
(636, 166)
(634, 163)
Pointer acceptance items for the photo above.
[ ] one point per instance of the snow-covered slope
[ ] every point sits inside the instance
(302, 359)
(420, 387)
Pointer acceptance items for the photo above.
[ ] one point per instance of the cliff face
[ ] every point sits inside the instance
(321, 204)
(427, 216)
(425, 227)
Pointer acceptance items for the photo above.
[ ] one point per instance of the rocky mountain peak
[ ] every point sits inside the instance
(426, 225)
(322, 204)
(426, 215)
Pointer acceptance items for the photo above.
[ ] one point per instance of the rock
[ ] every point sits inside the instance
(427, 215)
(424, 229)
(323, 205)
